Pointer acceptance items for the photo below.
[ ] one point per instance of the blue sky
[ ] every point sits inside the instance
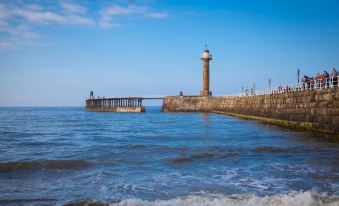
(52, 53)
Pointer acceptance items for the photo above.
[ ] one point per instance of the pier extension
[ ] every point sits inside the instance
(128, 104)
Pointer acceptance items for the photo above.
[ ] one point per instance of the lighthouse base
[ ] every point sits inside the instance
(206, 93)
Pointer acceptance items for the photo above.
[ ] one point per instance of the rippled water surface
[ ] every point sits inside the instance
(61, 155)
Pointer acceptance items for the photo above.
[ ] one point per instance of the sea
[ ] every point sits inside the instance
(67, 156)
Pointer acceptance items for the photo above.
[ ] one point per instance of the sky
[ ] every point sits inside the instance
(54, 52)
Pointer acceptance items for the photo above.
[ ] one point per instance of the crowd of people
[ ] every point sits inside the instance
(324, 80)
(320, 81)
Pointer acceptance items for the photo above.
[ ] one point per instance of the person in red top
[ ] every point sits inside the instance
(319, 79)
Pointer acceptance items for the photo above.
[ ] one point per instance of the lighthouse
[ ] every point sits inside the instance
(206, 57)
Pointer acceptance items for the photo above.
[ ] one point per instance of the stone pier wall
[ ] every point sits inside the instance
(318, 109)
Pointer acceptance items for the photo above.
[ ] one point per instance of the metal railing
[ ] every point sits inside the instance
(309, 84)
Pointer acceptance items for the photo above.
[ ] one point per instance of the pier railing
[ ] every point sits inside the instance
(114, 102)
(310, 84)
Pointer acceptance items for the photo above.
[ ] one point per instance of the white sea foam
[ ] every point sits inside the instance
(227, 175)
(295, 198)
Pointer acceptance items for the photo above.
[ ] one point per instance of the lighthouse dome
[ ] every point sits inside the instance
(206, 54)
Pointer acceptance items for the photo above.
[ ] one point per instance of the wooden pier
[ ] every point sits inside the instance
(126, 104)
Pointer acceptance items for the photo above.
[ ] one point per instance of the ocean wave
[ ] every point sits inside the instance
(307, 198)
(296, 198)
(47, 164)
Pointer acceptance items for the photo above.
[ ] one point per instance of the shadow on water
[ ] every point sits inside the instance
(200, 157)
(47, 164)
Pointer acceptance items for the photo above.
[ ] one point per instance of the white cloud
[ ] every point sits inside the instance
(70, 7)
(5, 27)
(18, 21)
(110, 14)
(37, 16)
(16, 35)
(108, 23)
(3, 12)
(116, 10)
(158, 15)
(79, 20)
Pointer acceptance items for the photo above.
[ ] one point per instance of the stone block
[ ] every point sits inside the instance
(335, 120)
(326, 97)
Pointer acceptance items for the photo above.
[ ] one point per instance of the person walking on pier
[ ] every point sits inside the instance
(91, 95)
(181, 94)
(334, 76)
(326, 79)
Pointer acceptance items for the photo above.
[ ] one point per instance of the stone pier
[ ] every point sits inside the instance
(314, 110)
